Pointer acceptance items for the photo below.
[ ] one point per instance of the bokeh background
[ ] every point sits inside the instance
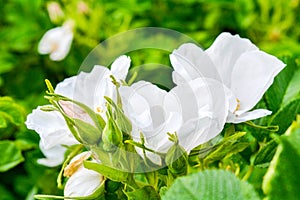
(274, 26)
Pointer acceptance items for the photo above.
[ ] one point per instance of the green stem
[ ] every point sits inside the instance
(248, 174)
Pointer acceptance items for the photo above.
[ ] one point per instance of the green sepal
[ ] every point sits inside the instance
(87, 132)
(112, 136)
(270, 128)
(109, 172)
(121, 120)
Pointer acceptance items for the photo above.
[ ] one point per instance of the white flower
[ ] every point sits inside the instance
(57, 41)
(154, 112)
(246, 71)
(82, 182)
(87, 88)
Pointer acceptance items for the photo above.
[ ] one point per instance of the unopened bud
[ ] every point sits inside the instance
(112, 135)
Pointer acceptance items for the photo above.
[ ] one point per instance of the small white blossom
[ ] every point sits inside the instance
(57, 41)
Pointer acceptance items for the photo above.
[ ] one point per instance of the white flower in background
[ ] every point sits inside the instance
(246, 71)
(82, 182)
(54, 11)
(87, 88)
(154, 112)
(57, 41)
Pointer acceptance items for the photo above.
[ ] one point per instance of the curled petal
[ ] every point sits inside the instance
(247, 116)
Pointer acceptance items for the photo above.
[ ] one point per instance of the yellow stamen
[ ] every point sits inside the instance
(72, 167)
(99, 110)
(238, 106)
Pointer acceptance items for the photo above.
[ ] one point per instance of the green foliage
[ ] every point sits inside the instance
(211, 185)
(10, 112)
(272, 25)
(146, 192)
(10, 155)
(282, 178)
(284, 96)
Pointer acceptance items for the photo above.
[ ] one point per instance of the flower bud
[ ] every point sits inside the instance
(82, 124)
(112, 135)
(177, 160)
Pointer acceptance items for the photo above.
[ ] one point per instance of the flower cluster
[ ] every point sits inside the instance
(111, 118)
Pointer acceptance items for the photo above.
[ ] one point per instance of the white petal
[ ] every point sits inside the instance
(204, 105)
(54, 156)
(191, 62)
(252, 75)
(151, 93)
(66, 87)
(255, 114)
(224, 52)
(120, 67)
(83, 182)
(178, 79)
(90, 87)
(135, 107)
(51, 127)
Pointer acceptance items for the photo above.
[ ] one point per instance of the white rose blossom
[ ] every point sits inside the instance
(155, 112)
(87, 88)
(57, 41)
(246, 71)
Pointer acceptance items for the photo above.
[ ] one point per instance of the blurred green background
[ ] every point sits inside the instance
(274, 26)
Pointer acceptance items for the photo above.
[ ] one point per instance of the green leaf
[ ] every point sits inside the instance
(210, 185)
(284, 96)
(109, 172)
(10, 112)
(10, 155)
(227, 147)
(282, 178)
(147, 192)
(275, 94)
(266, 153)
(286, 114)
